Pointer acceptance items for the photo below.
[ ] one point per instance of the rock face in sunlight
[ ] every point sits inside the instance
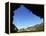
(40, 27)
(36, 28)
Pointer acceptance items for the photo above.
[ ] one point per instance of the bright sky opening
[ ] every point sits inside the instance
(23, 18)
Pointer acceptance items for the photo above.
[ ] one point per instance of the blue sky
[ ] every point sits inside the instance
(24, 18)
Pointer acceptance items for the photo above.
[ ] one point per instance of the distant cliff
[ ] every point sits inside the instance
(38, 27)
